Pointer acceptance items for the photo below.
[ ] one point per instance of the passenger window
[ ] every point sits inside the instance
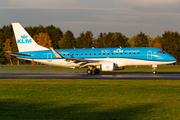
(108, 54)
(130, 53)
(103, 53)
(81, 54)
(99, 53)
(72, 54)
(116, 53)
(64, 54)
(76, 54)
(138, 52)
(112, 53)
(121, 53)
(90, 54)
(134, 53)
(125, 53)
(86, 54)
(94, 53)
(68, 54)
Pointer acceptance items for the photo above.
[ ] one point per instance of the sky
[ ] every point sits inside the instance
(130, 17)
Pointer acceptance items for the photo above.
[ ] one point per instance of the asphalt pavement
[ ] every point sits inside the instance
(84, 76)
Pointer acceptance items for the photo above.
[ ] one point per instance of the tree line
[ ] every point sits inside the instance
(52, 36)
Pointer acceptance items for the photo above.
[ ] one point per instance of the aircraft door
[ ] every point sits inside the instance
(49, 57)
(149, 54)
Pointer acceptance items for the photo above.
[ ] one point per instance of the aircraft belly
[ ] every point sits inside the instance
(127, 61)
(146, 62)
(57, 62)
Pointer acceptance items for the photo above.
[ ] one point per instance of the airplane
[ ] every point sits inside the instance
(95, 59)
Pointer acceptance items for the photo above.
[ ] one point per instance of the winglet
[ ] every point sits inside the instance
(56, 53)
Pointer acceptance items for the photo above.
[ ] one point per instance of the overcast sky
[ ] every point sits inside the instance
(129, 17)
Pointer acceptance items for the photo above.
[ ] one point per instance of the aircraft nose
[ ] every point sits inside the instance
(171, 58)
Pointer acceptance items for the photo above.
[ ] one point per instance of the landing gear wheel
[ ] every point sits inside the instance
(154, 69)
(96, 71)
(154, 72)
(89, 72)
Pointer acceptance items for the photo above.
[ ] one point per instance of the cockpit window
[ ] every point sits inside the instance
(161, 52)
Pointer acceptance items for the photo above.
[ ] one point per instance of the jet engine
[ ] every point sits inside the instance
(108, 66)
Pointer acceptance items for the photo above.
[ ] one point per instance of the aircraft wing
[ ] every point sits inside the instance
(16, 53)
(56, 53)
(80, 61)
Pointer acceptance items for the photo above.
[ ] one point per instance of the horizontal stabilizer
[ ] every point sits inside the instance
(16, 53)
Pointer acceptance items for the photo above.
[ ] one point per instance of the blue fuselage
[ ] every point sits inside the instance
(141, 53)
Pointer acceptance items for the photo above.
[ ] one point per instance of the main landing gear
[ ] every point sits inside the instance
(90, 72)
(96, 71)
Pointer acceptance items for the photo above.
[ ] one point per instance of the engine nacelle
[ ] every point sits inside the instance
(108, 66)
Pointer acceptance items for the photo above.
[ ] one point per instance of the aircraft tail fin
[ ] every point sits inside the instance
(24, 40)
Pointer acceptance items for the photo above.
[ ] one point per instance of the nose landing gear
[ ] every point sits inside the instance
(154, 69)
(154, 72)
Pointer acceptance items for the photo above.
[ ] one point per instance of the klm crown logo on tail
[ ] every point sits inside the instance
(24, 39)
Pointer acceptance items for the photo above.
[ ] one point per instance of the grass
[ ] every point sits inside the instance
(51, 99)
(55, 69)
(38, 69)
(159, 69)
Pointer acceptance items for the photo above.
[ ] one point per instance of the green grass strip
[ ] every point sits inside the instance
(63, 99)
